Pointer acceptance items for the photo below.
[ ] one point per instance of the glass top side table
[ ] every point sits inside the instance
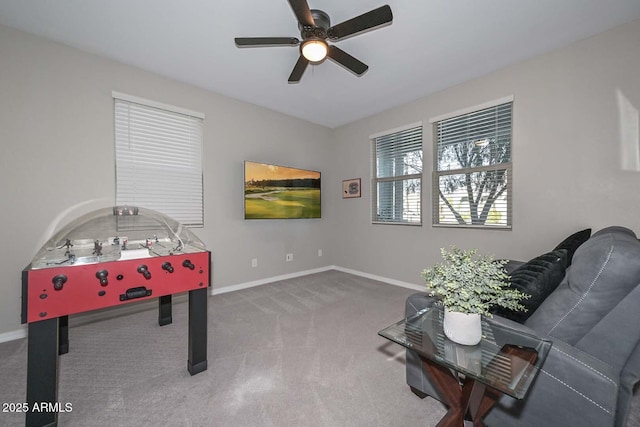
(471, 378)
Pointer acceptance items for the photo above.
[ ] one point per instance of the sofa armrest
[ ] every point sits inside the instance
(417, 302)
(416, 377)
(572, 388)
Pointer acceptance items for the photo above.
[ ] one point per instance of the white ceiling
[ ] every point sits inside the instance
(431, 44)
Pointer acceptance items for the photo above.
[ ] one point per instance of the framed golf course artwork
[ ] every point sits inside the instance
(280, 192)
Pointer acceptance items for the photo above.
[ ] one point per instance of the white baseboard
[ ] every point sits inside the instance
(225, 289)
(22, 333)
(13, 335)
(380, 278)
(217, 291)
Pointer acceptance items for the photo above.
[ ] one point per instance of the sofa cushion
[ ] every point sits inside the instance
(572, 243)
(604, 270)
(512, 265)
(537, 278)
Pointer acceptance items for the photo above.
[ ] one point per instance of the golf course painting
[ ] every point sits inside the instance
(280, 192)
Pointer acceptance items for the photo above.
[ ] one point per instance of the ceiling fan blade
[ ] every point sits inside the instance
(266, 41)
(347, 61)
(302, 12)
(298, 70)
(366, 21)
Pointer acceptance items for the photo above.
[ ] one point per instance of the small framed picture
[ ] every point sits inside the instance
(351, 188)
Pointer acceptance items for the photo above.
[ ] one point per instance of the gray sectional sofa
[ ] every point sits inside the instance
(591, 313)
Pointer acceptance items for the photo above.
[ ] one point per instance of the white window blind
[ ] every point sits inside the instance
(397, 177)
(472, 164)
(159, 160)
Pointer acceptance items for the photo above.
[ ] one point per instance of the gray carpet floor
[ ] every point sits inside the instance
(299, 352)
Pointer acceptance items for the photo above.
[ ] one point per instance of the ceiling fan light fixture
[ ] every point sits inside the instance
(314, 50)
(315, 29)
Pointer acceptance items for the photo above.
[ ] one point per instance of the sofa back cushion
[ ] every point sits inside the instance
(573, 242)
(537, 278)
(604, 270)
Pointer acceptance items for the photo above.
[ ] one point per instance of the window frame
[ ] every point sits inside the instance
(177, 168)
(507, 167)
(375, 180)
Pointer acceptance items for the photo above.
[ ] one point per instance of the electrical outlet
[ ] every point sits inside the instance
(319, 252)
(254, 262)
(289, 257)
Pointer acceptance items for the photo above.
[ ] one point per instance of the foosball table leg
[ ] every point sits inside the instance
(164, 310)
(63, 335)
(197, 331)
(42, 367)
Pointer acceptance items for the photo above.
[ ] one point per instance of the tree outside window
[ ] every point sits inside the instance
(472, 164)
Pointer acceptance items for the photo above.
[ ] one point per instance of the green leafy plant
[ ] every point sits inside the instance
(470, 283)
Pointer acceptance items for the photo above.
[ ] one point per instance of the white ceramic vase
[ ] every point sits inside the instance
(462, 328)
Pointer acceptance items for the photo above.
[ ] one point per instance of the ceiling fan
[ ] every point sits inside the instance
(315, 30)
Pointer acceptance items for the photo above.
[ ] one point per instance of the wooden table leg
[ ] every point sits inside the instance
(449, 388)
(473, 397)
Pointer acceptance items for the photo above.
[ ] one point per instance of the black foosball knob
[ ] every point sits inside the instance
(102, 276)
(188, 264)
(144, 270)
(167, 267)
(59, 281)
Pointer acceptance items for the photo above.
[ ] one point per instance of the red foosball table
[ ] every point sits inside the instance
(108, 258)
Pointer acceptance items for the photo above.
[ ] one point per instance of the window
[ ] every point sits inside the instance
(472, 164)
(397, 182)
(159, 158)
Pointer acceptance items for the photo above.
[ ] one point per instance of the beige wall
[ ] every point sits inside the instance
(575, 158)
(575, 153)
(56, 134)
